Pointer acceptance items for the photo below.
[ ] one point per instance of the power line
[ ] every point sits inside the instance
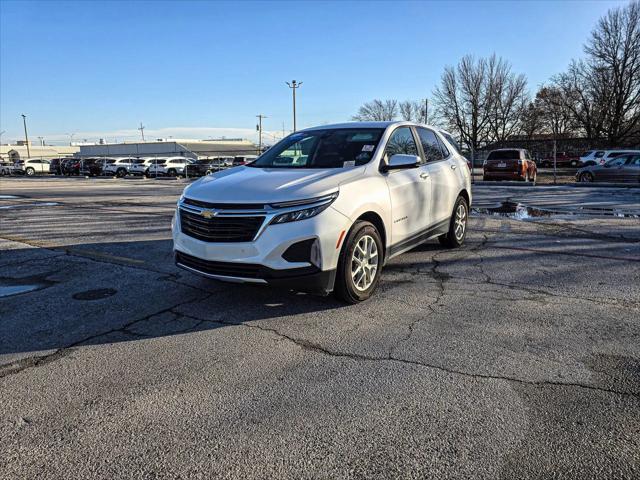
(142, 127)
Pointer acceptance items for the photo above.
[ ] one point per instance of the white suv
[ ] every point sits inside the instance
(600, 157)
(119, 167)
(172, 166)
(325, 208)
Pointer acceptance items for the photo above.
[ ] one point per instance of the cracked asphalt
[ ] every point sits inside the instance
(517, 356)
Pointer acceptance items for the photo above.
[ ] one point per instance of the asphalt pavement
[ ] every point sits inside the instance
(517, 356)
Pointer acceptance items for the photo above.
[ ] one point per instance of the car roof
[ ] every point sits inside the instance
(508, 149)
(384, 124)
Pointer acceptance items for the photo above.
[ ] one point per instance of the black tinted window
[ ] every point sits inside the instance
(430, 145)
(504, 155)
(402, 142)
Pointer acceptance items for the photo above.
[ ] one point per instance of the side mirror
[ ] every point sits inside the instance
(401, 161)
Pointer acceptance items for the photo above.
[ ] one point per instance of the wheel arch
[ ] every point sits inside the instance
(376, 220)
(464, 194)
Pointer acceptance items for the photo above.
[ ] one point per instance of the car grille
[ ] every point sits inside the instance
(226, 269)
(219, 228)
(223, 206)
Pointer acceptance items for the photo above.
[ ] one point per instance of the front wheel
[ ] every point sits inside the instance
(30, 171)
(360, 263)
(454, 238)
(586, 177)
(121, 173)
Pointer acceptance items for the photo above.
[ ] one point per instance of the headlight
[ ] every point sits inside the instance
(319, 204)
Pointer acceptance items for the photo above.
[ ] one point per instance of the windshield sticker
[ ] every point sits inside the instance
(368, 148)
(350, 163)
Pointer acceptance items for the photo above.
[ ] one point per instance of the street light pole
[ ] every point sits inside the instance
(26, 137)
(260, 117)
(293, 86)
(426, 111)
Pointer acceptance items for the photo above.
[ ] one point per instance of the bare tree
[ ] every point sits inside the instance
(413, 111)
(509, 98)
(377, 110)
(556, 117)
(531, 120)
(481, 99)
(603, 90)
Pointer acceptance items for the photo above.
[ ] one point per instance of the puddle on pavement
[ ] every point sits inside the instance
(28, 205)
(95, 294)
(16, 286)
(8, 197)
(520, 211)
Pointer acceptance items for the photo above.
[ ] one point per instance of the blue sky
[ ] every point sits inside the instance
(201, 69)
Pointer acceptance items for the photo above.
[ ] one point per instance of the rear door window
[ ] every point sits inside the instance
(430, 145)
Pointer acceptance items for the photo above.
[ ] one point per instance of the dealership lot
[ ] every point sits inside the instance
(516, 356)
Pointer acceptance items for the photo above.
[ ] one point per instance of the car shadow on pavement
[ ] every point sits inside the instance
(89, 294)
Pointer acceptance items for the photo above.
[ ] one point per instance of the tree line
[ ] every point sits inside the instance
(484, 101)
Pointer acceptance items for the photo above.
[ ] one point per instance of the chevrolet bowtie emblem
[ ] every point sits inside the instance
(208, 213)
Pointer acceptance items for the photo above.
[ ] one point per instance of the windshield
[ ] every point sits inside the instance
(331, 148)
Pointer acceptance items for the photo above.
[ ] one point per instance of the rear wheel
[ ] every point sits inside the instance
(454, 238)
(586, 177)
(121, 172)
(360, 263)
(30, 171)
(172, 172)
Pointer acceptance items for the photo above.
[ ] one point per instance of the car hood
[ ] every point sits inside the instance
(268, 185)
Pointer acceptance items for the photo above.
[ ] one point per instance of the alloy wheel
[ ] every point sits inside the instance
(460, 222)
(364, 263)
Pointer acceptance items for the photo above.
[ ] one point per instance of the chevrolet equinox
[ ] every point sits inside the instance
(325, 208)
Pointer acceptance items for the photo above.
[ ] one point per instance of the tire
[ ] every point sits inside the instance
(121, 173)
(586, 177)
(30, 171)
(535, 177)
(350, 286)
(454, 238)
(172, 172)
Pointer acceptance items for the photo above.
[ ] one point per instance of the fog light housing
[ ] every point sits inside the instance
(316, 253)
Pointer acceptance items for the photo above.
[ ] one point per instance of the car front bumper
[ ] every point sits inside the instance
(261, 261)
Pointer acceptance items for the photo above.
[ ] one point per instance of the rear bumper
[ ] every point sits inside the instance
(501, 175)
(305, 279)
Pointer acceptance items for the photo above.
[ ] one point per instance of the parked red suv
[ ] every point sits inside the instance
(509, 164)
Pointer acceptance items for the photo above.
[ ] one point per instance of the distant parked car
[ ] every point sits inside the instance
(562, 160)
(600, 157)
(55, 165)
(139, 166)
(623, 168)
(509, 164)
(203, 166)
(172, 167)
(243, 160)
(6, 168)
(119, 167)
(91, 167)
(31, 166)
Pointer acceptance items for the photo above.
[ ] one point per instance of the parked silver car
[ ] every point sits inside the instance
(625, 168)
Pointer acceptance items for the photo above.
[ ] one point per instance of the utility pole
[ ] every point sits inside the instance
(142, 127)
(293, 86)
(26, 137)
(426, 111)
(2, 133)
(41, 141)
(260, 117)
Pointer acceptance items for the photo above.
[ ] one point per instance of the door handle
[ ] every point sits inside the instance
(453, 167)
(424, 175)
